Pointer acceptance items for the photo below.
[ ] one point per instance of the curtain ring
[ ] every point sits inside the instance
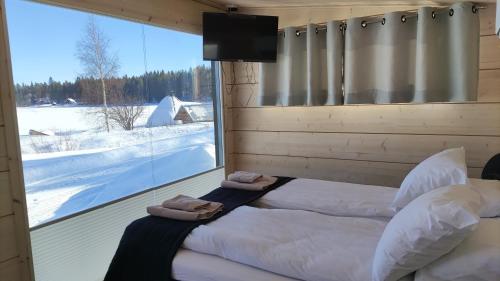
(383, 21)
(364, 24)
(451, 12)
(297, 33)
(316, 30)
(433, 14)
(403, 18)
(474, 9)
(341, 27)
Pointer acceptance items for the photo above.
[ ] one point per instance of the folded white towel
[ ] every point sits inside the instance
(260, 184)
(204, 213)
(185, 203)
(242, 176)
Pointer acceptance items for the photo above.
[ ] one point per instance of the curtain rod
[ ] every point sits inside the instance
(412, 13)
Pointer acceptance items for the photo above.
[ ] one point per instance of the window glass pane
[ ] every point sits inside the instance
(106, 107)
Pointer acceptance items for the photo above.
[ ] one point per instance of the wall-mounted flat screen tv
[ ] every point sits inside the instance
(236, 37)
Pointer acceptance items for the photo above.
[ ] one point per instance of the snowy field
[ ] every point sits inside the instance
(82, 166)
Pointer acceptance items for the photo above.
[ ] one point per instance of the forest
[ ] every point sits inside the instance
(194, 84)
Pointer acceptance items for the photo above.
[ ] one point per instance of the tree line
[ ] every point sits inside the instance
(194, 84)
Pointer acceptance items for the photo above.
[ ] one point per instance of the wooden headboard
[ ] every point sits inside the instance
(369, 144)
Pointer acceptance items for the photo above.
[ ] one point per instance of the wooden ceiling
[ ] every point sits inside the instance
(323, 3)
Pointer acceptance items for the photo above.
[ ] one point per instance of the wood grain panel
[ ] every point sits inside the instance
(179, 15)
(489, 85)
(487, 19)
(329, 3)
(5, 197)
(245, 73)
(244, 95)
(10, 270)
(430, 119)
(240, 73)
(362, 172)
(16, 230)
(4, 164)
(8, 243)
(408, 149)
(4, 160)
(489, 52)
(297, 16)
(3, 148)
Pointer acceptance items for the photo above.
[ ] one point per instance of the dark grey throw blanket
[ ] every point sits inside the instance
(148, 245)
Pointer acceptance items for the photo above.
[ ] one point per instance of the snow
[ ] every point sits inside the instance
(83, 166)
(165, 112)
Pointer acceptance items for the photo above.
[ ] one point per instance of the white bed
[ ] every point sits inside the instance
(193, 266)
(331, 198)
(305, 230)
(298, 244)
(227, 249)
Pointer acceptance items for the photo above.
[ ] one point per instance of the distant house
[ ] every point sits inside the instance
(41, 133)
(192, 113)
(70, 101)
(165, 112)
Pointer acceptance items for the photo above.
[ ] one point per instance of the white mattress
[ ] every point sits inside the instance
(193, 266)
(331, 198)
(298, 244)
(269, 244)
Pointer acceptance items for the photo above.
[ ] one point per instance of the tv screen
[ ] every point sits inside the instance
(235, 37)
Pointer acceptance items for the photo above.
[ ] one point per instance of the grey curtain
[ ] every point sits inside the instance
(424, 59)
(308, 70)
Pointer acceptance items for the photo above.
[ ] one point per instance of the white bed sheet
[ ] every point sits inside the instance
(192, 266)
(331, 198)
(298, 244)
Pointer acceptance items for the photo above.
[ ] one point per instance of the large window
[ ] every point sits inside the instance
(106, 107)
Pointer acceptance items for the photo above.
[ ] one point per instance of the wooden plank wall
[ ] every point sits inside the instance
(369, 144)
(15, 250)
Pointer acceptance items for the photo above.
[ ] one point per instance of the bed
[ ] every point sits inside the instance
(305, 230)
(439, 225)
(331, 214)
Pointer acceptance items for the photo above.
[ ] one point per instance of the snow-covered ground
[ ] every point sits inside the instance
(83, 166)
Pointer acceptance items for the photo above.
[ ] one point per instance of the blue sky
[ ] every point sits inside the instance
(43, 43)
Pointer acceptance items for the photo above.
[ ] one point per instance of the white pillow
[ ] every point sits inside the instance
(442, 169)
(476, 258)
(429, 227)
(490, 193)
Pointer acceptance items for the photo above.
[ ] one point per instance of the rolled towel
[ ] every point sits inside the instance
(244, 177)
(260, 184)
(201, 214)
(185, 203)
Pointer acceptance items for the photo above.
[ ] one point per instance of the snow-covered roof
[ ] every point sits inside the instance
(201, 112)
(165, 112)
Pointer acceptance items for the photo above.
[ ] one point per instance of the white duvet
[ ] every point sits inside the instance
(295, 243)
(331, 198)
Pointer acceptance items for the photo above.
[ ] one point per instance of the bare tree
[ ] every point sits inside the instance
(125, 109)
(126, 114)
(93, 53)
